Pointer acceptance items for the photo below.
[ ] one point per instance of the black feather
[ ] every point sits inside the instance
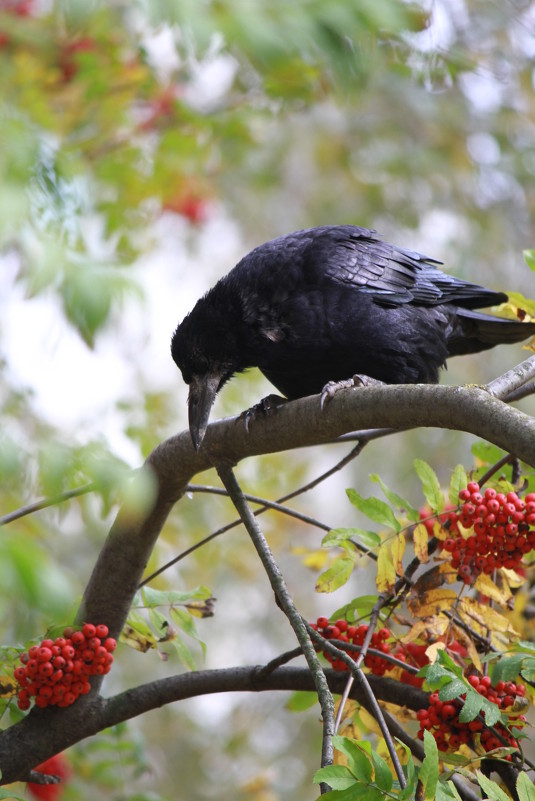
(325, 303)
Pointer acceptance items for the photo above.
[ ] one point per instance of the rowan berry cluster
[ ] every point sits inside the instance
(441, 718)
(57, 671)
(448, 516)
(342, 631)
(503, 531)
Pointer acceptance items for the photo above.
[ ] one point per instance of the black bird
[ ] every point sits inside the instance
(326, 303)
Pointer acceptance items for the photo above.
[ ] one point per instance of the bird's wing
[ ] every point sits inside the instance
(395, 276)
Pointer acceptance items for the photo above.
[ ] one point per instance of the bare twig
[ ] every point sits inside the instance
(286, 603)
(46, 502)
(354, 452)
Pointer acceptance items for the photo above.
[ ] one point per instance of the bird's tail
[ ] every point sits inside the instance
(476, 332)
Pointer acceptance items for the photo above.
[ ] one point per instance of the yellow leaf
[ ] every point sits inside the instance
(386, 574)
(398, 549)
(314, 559)
(486, 586)
(421, 538)
(433, 627)
(431, 603)
(512, 578)
(468, 643)
(485, 620)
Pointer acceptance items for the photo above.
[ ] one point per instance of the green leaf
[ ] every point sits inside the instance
(458, 481)
(374, 508)
(335, 576)
(383, 774)
(152, 597)
(338, 777)
(529, 258)
(358, 608)
(355, 793)
(507, 668)
(430, 485)
(396, 500)
(358, 760)
(159, 622)
(301, 700)
(492, 712)
(428, 774)
(183, 652)
(525, 788)
(410, 773)
(446, 791)
(528, 671)
(491, 789)
(453, 689)
(487, 453)
(338, 536)
(526, 645)
(472, 706)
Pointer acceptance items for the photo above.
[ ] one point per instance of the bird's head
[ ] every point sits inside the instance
(207, 356)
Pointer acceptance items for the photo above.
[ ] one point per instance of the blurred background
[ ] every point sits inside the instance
(145, 147)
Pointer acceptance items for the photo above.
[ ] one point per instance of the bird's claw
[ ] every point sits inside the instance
(329, 390)
(266, 407)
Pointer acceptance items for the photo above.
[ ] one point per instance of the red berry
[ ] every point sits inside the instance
(102, 631)
(88, 630)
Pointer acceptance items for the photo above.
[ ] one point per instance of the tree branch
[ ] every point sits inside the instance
(301, 423)
(285, 601)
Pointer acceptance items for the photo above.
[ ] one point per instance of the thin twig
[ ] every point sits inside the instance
(507, 459)
(264, 508)
(46, 502)
(288, 607)
(362, 655)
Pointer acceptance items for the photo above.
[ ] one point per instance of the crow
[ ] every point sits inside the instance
(322, 304)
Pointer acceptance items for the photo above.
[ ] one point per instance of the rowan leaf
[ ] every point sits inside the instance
(528, 671)
(458, 481)
(529, 258)
(383, 774)
(358, 755)
(472, 706)
(336, 575)
(485, 586)
(396, 500)
(340, 536)
(386, 573)
(446, 790)
(374, 508)
(397, 549)
(431, 603)
(454, 689)
(338, 777)
(428, 774)
(491, 789)
(525, 788)
(507, 668)
(420, 539)
(430, 485)
(358, 608)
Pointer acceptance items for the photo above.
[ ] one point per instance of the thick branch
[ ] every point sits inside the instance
(53, 730)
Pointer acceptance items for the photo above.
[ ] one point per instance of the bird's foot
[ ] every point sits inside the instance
(266, 407)
(330, 389)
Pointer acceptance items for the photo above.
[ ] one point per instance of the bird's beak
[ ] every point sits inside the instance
(202, 392)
